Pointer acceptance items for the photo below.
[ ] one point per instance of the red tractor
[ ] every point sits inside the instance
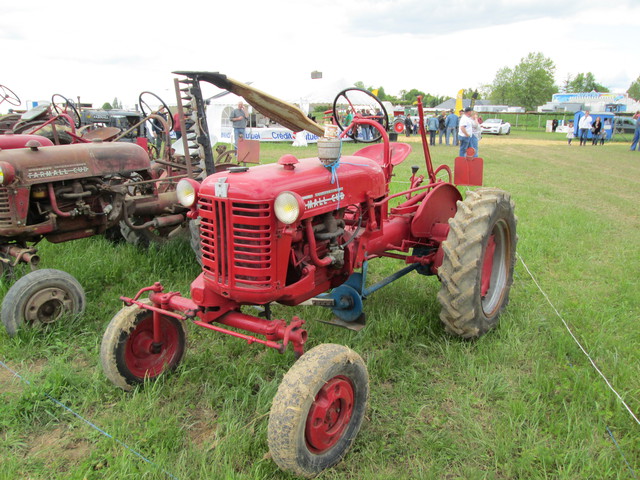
(302, 231)
(66, 192)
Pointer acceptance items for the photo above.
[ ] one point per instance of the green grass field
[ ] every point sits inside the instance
(523, 402)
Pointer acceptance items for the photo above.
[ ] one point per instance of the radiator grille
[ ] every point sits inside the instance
(237, 243)
(5, 209)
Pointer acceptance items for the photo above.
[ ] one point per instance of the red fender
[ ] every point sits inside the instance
(437, 208)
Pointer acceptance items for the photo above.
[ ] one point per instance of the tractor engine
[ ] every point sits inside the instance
(278, 232)
(65, 192)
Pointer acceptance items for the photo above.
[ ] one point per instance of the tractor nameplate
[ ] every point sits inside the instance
(222, 187)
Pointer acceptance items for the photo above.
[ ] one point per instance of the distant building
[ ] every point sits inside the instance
(593, 101)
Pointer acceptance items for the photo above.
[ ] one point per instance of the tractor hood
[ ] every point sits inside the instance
(353, 181)
(66, 162)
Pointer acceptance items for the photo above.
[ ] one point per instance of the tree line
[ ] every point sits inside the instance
(529, 84)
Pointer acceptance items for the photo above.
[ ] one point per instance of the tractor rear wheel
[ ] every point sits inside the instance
(318, 410)
(128, 353)
(41, 297)
(477, 268)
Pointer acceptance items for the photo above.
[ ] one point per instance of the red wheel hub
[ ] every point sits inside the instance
(329, 414)
(140, 356)
(487, 266)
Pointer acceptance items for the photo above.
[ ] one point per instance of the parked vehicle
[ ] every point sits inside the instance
(61, 193)
(495, 126)
(624, 125)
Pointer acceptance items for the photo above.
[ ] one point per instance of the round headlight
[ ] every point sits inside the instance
(288, 207)
(7, 173)
(187, 191)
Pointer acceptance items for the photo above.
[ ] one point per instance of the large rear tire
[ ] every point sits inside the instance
(318, 410)
(477, 268)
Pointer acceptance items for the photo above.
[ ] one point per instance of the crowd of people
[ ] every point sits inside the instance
(463, 130)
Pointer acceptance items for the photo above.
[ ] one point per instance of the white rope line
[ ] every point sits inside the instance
(577, 342)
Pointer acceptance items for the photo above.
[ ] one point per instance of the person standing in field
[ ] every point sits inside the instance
(408, 125)
(477, 132)
(239, 118)
(451, 124)
(636, 133)
(441, 127)
(465, 131)
(596, 129)
(570, 133)
(432, 126)
(585, 125)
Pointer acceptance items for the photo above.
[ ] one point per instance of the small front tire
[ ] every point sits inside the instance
(41, 297)
(128, 354)
(318, 410)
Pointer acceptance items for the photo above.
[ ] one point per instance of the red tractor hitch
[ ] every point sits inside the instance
(277, 332)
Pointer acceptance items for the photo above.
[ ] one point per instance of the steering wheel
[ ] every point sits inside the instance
(362, 103)
(6, 94)
(151, 111)
(68, 104)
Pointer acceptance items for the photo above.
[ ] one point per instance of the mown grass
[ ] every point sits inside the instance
(521, 402)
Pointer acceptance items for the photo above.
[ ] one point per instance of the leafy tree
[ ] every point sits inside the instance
(470, 92)
(412, 95)
(585, 82)
(116, 104)
(107, 106)
(565, 87)
(634, 89)
(528, 84)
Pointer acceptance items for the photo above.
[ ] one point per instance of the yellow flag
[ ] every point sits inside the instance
(375, 92)
(459, 102)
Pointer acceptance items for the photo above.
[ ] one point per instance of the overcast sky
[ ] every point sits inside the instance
(102, 50)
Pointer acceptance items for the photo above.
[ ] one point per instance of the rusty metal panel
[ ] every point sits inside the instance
(66, 162)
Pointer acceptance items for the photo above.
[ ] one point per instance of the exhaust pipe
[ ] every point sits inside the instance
(21, 255)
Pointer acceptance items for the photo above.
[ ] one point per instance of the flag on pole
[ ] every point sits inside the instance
(459, 104)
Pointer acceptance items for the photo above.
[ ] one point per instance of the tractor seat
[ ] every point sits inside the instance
(399, 152)
(106, 134)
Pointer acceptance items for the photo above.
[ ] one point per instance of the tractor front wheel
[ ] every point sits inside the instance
(41, 297)
(128, 352)
(477, 268)
(318, 410)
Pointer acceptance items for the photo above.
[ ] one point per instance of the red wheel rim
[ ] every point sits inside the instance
(329, 414)
(399, 127)
(487, 267)
(139, 356)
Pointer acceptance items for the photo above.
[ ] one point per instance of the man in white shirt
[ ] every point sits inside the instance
(585, 125)
(465, 131)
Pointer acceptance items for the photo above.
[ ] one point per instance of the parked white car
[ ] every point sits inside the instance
(495, 125)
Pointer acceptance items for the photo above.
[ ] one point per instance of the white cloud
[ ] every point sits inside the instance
(119, 49)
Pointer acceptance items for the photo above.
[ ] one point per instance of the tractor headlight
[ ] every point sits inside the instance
(187, 191)
(7, 173)
(288, 207)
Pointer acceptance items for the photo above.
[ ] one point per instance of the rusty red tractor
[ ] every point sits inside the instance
(303, 231)
(67, 192)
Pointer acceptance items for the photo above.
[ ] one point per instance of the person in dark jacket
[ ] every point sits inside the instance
(442, 128)
(596, 128)
(408, 125)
